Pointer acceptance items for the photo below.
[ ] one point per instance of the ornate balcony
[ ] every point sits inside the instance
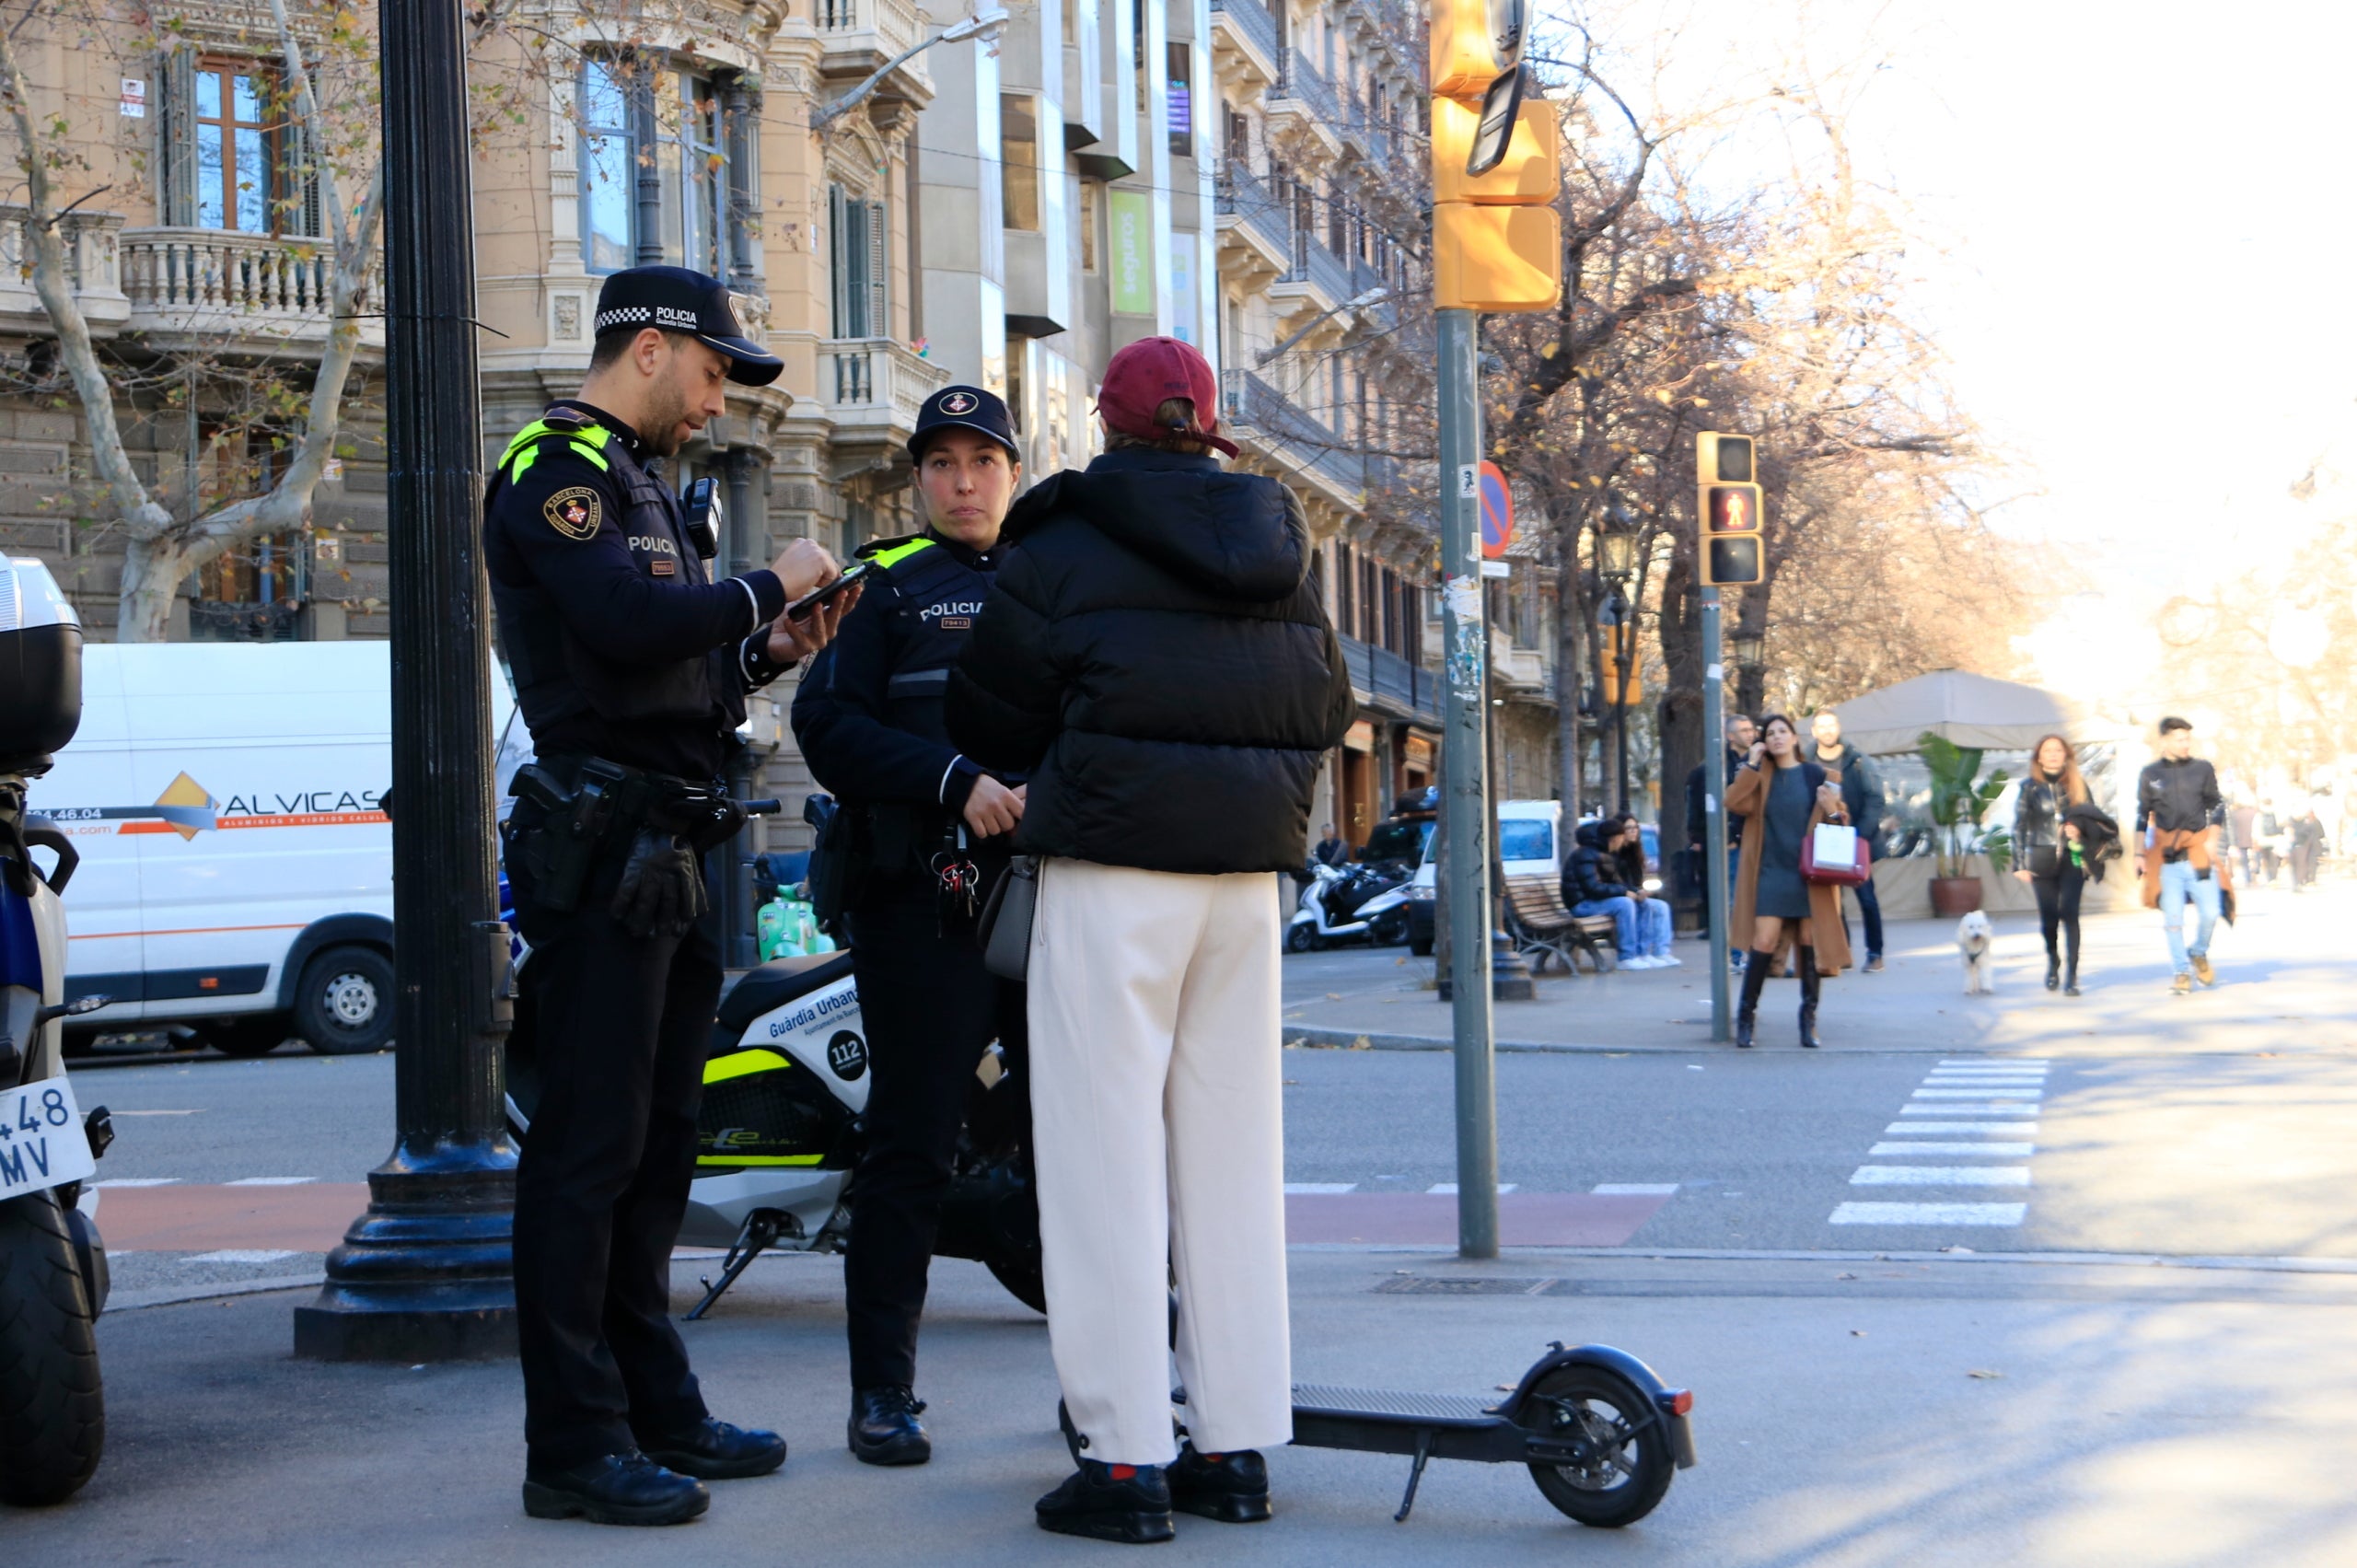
(93, 254)
(873, 389)
(1304, 113)
(241, 291)
(1245, 48)
(1286, 437)
(1255, 229)
(858, 37)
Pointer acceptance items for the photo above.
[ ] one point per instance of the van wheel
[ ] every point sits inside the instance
(247, 1036)
(344, 1004)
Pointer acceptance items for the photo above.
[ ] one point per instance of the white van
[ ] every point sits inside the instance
(237, 866)
(1527, 831)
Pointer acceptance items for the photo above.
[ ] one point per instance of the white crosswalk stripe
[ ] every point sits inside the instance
(1942, 1129)
(1940, 1175)
(1994, 1150)
(1980, 1110)
(1930, 1213)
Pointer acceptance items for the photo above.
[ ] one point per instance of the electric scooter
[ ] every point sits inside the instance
(1346, 904)
(779, 1135)
(52, 1266)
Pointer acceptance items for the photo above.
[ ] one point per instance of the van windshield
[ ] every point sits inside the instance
(1396, 841)
(1525, 838)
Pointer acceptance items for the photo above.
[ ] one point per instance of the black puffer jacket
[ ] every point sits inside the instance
(1591, 874)
(1154, 658)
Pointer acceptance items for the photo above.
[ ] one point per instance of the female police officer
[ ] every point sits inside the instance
(869, 719)
(630, 669)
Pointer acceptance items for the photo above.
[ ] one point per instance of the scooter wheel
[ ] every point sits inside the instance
(1390, 928)
(52, 1402)
(1300, 939)
(1628, 1468)
(1022, 1278)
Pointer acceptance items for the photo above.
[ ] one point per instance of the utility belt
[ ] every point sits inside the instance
(865, 848)
(570, 811)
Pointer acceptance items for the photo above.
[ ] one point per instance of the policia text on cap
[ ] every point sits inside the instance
(921, 828)
(631, 669)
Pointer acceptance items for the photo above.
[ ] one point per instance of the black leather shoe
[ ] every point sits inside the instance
(884, 1428)
(615, 1489)
(714, 1451)
(1232, 1487)
(1123, 1503)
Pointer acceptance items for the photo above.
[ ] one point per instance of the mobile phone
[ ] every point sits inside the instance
(820, 596)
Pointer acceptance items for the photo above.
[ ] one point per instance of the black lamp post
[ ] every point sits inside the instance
(427, 1273)
(1616, 556)
(1749, 651)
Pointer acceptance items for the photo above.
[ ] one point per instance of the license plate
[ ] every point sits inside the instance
(42, 1141)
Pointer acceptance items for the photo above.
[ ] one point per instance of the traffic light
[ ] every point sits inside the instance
(1727, 508)
(1607, 669)
(1497, 240)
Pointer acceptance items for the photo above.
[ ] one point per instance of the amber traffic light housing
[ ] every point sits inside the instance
(1729, 509)
(1497, 241)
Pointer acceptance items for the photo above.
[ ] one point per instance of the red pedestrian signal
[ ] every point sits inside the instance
(1729, 507)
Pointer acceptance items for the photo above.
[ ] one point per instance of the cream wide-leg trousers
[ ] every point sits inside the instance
(1157, 1129)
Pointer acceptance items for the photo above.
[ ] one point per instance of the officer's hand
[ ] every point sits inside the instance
(791, 639)
(992, 808)
(803, 565)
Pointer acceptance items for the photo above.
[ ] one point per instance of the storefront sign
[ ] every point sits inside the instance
(1131, 216)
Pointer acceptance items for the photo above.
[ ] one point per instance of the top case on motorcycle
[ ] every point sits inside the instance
(774, 986)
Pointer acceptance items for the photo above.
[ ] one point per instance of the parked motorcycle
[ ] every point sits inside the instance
(1343, 904)
(53, 1265)
(780, 1135)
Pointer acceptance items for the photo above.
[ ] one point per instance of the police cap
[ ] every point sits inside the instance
(675, 300)
(964, 408)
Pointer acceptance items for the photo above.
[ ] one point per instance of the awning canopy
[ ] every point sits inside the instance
(1971, 710)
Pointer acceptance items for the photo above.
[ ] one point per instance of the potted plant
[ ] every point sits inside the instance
(1959, 800)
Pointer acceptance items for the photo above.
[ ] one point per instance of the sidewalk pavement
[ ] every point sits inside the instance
(1850, 1409)
(2283, 971)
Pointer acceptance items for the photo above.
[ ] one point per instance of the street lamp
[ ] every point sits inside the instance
(988, 25)
(1616, 546)
(1750, 649)
(1616, 562)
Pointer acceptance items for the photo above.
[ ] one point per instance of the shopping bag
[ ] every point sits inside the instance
(1834, 856)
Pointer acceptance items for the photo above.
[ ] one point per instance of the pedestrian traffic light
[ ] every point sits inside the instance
(1728, 510)
(1608, 670)
(1497, 168)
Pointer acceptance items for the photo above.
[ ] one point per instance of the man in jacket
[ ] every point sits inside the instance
(868, 718)
(2178, 809)
(1154, 658)
(1740, 733)
(1861, 795)
(1591, 885)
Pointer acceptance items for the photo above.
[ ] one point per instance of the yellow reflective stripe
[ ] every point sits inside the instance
(591, 453)
(900, 552)
(522, 461)
(720, 1069)
(759, 1159)
(589, 440)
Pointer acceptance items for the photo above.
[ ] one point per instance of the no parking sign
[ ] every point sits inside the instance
(1497, 512)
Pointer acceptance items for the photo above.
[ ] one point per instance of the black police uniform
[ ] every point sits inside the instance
(868, 718)
(622, 650)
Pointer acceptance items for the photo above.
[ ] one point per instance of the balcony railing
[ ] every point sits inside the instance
(1383, 677)
(1252, 19)
(872, 379)
(1321, 269)
(1297, 79)
(1247, 399)
(1243, 195)
(184, 277)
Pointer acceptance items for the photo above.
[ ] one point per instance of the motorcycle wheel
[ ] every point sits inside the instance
(1022, 1278)
(1390, 928)
(53, 1405)
(1300, 939)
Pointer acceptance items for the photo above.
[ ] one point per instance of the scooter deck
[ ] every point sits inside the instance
(1390, 1421)
(1389, 1404)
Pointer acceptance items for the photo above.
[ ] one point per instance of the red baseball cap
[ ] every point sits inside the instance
(1150, 371)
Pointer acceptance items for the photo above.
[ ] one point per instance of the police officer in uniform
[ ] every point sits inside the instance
(929, 827)
(631, 666)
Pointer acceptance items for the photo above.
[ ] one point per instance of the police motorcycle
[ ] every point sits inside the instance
(779, 1135)
(1342, 904)
(53, 1265)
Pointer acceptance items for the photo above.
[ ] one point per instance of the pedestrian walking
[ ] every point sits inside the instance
(1861, 795)
(1593, 885)
(929, 832)
(1155, 659)
(1740, 733)
(2274, 839)
(2177, 812)
(2308, 847)
(631, 669)
(2242, 822)
(1784, 797)
(2050, 854)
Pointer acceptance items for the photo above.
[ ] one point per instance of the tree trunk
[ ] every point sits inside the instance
(1571, 619)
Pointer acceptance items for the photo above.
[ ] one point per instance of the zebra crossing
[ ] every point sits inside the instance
(1979, 1110)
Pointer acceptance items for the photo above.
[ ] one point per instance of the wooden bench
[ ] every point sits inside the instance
(1542, 928)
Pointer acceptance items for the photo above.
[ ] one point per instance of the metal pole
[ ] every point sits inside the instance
(1623, 653)
(1463, 757)
(1714, 813)
(426, 1272)
(740, 948)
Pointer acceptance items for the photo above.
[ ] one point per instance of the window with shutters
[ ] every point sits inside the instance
(656, 181)
(229, 154)
(861, 230)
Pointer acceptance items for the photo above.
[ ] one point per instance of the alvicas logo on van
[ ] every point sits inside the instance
(267, 808)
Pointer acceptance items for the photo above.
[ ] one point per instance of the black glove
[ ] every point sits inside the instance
(662, 888)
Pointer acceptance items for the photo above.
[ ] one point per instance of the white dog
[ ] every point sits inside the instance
(1974, 938)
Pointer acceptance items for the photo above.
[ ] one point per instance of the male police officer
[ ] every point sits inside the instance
(869, 719)
(631, 667)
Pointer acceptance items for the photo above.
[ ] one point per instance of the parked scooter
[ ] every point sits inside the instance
(779, 1136)
(53, 1265)
(1348, 903)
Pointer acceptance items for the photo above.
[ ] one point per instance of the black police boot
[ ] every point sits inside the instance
(884, 1428)
(615, 1489)
(1232, 1487)
(1123, 1503)
(714, 1451)
(1809, 982)
(1754, 976)
(2071, 973)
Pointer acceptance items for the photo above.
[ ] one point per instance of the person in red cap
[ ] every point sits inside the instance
(1154, 658)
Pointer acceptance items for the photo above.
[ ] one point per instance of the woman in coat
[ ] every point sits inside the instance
(1781, 797)
(2053, 859)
